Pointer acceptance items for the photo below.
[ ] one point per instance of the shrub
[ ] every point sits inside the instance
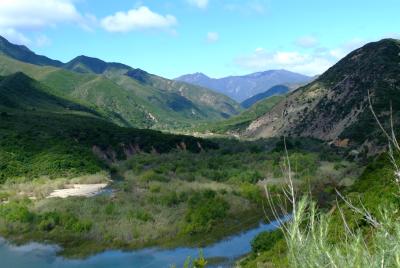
(309, 245)
(77, 226)
(151, 175)
(205, 209)
(155, 188)
(266, 240)
(15, 212)
(49, 221)
(173, 198)
(142, 215)
(109, 209)
(251, 192)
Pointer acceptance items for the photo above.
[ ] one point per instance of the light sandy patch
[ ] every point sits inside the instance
(86, 190)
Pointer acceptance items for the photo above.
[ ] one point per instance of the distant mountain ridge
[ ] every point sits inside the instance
(273, 91)
(241, 88)
(85, 64)
(23, 53)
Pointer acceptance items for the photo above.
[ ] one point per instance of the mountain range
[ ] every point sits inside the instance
(334, 107)
(121, 94)
(241, 88)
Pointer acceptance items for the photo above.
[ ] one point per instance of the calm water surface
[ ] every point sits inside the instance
(36, 255)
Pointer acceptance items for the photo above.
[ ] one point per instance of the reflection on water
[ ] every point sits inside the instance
(36, 255)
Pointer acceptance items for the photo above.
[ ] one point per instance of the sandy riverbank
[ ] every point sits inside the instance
(86, 190)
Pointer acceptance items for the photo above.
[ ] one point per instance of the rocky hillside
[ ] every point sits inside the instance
(335, 106)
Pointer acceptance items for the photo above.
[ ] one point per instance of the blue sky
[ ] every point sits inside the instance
(217, 37)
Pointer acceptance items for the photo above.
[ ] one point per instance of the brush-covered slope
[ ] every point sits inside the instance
(45, 135)
(243, 87)
(207, 101)
(335, 106)
(195, 102)
(275, 90)
(18, 91)
(126, 96)
(237, 124)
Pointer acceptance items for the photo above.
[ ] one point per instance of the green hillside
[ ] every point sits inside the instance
(42, 134)
(63, 142)
(240, 122)
(126, 96)
(22, 92)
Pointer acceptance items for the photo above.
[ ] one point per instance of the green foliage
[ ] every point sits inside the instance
(172, 198)
(35, 144)
(16, 212)
(243, 120)
(344, 237)
(19, 213)
(266, 241)
(303, 164)
(199, 262)
(275, 255)
(205, 209)
(251, 192)
(151, 175)
(142, 215)
(309, 244)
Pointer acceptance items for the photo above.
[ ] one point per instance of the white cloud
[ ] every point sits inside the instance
(212, 37)
(14, 36)
(199, 3)
(347, 47)
(261, 60)
(307, 41)
(137, 19)
(28, 14)
(19, 16)
(312, 62)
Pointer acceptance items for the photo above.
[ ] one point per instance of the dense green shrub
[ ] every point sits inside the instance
(205, 208)
(266, 240)
(34, 144)
(141, 215)
(77, 226)
(16, 212)
(48, 221)
(251, 192)
(151, 175)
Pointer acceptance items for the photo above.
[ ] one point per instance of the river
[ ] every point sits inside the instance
(36, 255)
